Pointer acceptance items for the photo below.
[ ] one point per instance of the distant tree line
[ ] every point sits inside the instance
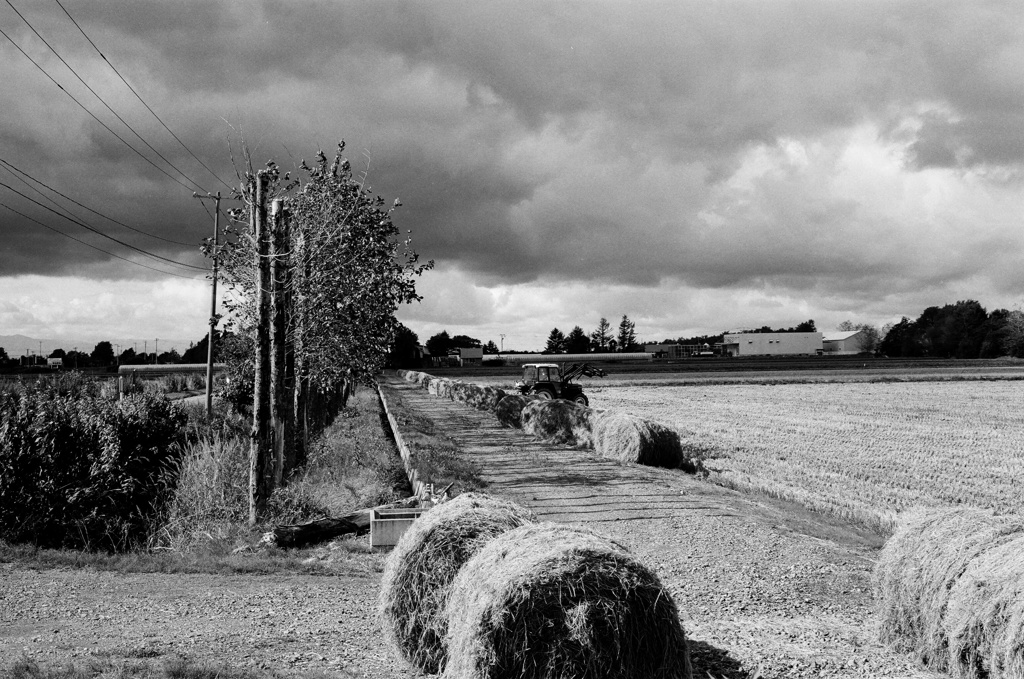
(961, 330)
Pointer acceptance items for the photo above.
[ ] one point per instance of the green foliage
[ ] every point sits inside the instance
(83, 471)
(627, 335)
(555, 343)
(577, 342)
(961, 330)
(601, 338)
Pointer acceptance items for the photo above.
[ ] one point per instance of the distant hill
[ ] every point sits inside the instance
(21, 345)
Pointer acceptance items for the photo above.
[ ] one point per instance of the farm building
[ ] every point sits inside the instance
(572, 358)
(474, 356)
(772, 344)
(679, 350)
(843, 342)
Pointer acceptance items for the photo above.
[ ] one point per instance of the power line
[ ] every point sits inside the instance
(95, 94)
(100, 233)
(105, 126)
(10, 166)
(139, 97)
(77, 240)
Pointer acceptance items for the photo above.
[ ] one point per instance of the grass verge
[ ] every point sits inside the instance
(103, 668)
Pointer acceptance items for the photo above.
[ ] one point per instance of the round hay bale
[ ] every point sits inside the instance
(918, 566)
(510, 409)
(438, 386)
(423, 378)
(486, 398)
(558, 421)
(548, 600)
(626, 438)
(419, 572)
(985, 615)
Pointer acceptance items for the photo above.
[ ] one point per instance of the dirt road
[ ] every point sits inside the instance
(762, 586)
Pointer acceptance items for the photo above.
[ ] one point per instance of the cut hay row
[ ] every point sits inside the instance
(549, 601)
(509, 410)
(627, 438)
(611, 435)
(419, 572)
(950, 586)
(558, 421)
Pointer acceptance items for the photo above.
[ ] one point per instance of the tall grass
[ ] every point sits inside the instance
(351, 465)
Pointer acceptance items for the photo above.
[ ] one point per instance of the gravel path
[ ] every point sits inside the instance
(762, 586)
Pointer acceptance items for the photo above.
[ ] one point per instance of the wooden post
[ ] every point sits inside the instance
(300, 421)
(279, 264)
(213, 311)
(260, 473)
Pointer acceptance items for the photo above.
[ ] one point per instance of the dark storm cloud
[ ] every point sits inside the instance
(563, 141)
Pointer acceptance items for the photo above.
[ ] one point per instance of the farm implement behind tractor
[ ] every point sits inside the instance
(548, 380)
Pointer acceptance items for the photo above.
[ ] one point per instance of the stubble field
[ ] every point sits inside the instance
(844, 444)
(863, 451)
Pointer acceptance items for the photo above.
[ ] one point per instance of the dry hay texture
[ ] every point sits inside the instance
(419, 572)
(558, 421)
(510, 409)
(626, 438)
(550, 601)
(931, 568)
(481, 398)
(439, 386)
(985, 615)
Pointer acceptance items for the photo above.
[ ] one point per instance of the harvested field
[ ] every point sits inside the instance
(861, 451)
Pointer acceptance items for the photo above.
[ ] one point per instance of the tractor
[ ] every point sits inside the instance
(548, 380)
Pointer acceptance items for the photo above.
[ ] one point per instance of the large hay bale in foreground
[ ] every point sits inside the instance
(548, 601)
(918, 567)
(558, 421)
(510, 409)
(627, 438)
(984, 619)
(419, 571)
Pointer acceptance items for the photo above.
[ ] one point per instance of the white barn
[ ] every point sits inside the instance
(772, 344)
(843, 342)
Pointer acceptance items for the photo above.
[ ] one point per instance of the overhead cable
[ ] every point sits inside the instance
(95, 94)
(107, 252)
(100, 233)
(139, 97)
(10, 167)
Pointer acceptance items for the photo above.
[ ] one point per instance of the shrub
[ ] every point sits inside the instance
(81, 471)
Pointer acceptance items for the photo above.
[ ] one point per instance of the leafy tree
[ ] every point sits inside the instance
(901, 339)
(404, 349)
(58, 353)
(439, 344)
(602, 335)
(465, 342)
(491, 348)
(870, 336)
(577, 342)
(806, 326)
(199, 351)
(352, 272)
(555, 343)
(103, 354)
(626, 338)
(171, 356)
(127, 357)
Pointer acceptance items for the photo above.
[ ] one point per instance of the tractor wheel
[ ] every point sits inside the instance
(581, 400)
(544, 394)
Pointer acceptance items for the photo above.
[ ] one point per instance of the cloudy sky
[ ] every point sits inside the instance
(698, 166)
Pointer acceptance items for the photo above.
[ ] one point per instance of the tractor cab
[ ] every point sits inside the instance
(548, 381)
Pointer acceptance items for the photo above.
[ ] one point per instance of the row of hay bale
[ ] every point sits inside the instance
(610, 434)
(950, 586)
(481, 398)
(478, 588)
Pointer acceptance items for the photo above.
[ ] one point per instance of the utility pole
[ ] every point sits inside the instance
(213, 301)
(156, 351)
(261, 476)
(503, 343)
